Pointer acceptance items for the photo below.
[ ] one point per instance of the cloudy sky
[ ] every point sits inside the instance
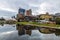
(9, 8)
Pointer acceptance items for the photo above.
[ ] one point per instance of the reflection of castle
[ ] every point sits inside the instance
(22, 31)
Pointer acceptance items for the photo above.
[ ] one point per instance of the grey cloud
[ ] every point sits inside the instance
(27, 4)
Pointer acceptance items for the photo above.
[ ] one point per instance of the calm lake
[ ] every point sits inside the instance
(13, 32)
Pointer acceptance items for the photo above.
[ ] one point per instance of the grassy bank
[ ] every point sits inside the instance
(38, 24)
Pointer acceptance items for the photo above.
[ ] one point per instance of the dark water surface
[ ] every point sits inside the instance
(13, 32)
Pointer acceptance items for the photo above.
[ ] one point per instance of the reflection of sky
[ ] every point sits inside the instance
(12, 34)
(6, 28)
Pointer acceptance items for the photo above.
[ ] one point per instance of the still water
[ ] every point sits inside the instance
(13, 32)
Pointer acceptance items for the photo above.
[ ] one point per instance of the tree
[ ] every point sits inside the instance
(57, 20)
(2, 19)
(50, 19)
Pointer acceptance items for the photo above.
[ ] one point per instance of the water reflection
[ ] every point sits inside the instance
(45, 31)
(24, 29)
(23, 32)
(57, 32)
(2, 24)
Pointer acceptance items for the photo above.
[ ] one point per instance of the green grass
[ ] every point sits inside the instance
(38, 24)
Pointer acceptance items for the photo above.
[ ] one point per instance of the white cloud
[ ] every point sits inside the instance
(51, 6)
(7, 9)
(46, 7)
(33, 5)
(37, 6)
(5, 6)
